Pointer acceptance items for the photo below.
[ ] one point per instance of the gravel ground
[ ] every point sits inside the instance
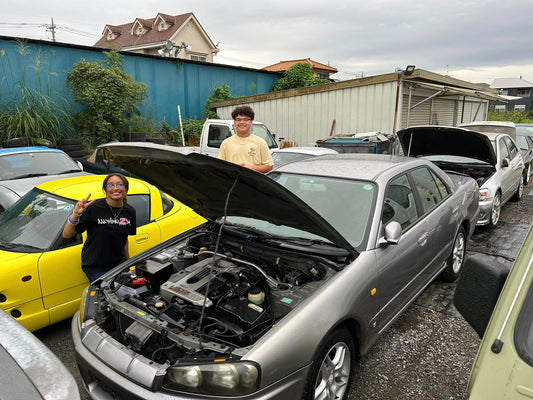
(428, 351)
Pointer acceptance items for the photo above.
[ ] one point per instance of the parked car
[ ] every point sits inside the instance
(492, 127)
(96, 163)
(41, 272)
(525, 143)
(524, 129)
(30, 371)
(291, 154)
(492, 159)
(295, 274)
(503, 318)
(22, 168)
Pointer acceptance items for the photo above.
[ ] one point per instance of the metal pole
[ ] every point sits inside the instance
(181, 126)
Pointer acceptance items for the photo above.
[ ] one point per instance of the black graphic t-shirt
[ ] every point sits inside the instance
(107, 232)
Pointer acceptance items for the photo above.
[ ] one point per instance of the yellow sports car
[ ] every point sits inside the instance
(41, 280)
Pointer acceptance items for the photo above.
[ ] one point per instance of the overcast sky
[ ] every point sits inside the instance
(473, 40)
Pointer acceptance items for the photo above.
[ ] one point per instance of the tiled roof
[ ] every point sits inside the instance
(285, 65)
(125, 37)
(507, 83)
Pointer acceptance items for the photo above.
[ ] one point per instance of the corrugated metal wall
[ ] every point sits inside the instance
(170, 84)
(309, 117)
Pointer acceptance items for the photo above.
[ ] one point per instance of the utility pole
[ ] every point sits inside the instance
(52, 28)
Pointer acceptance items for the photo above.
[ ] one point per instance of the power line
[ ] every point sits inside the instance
(48, 27)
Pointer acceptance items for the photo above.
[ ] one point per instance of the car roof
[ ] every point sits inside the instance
(17, 150)
(79, 187)
(347, 165)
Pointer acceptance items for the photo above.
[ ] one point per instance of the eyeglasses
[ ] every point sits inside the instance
(112, 185)
(242, 119)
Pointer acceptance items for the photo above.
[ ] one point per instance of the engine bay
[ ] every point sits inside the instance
(201, 298)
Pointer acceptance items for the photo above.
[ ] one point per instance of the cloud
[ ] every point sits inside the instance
(468, 38)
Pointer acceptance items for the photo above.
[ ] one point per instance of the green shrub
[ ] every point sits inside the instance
(111, 96)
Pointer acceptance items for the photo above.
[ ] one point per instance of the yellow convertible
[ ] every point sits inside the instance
(41, 280)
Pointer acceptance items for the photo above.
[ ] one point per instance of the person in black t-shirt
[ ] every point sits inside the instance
(108, 223)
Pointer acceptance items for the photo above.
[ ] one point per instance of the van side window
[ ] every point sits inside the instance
(216, 135)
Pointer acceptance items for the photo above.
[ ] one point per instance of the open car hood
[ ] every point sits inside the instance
(203, 183)
(421, 141)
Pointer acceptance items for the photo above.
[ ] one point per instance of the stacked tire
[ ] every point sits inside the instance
(73, 147)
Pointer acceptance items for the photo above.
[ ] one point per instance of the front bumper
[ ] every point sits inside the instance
(485, 209)
(104, 383)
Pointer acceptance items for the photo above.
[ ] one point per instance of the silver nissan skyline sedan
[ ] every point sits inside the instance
(292, 278)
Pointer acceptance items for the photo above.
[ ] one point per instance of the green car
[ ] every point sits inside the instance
(497, 301)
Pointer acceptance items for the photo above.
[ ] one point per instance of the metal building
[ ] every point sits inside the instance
(384, 103)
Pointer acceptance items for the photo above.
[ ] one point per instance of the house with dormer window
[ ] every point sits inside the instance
(179, 36)
(320, 70)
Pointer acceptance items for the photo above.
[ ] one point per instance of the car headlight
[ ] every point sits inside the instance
(230, 379)
(484, 193)
(83, 304)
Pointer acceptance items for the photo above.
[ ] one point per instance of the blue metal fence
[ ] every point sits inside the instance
(44, 66)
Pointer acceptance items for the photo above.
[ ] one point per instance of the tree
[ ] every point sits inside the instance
(111, 96)
(218, 93)
(299, 75)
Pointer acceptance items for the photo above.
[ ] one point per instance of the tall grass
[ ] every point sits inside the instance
(31, 108)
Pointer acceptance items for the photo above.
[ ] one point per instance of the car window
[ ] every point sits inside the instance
(35, 222)
(427, 189)
(344, 203)
(504, 151)
(523, 335)
(36, 162)
(513, 151)
(141, 203)
(443, 189)
(217, 134)
(522, 142)
(167, 203)
(399, 204)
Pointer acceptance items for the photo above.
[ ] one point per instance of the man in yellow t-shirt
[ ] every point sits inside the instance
(245, 148)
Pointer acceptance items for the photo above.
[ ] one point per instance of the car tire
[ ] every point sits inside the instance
(17, 142)
(455, 262)
(527, 172)
(519, 191)
(495, 211)
(331, 373)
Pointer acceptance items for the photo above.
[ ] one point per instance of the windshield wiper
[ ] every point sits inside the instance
(32, 175)
(68, 171)
(21, 246)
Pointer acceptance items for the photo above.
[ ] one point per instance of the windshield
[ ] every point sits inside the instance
(346, 204)
(262, 131)
(13, 166)
(34, 221)
(284, 157)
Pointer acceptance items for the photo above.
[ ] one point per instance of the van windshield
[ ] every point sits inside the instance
(263, 132)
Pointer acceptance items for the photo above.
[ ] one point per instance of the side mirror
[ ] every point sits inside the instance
(393, 233)
(505, 162)
(478, 289)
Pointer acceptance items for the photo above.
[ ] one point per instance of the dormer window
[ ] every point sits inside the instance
(110, 36)
(162, 26)
(139, 30)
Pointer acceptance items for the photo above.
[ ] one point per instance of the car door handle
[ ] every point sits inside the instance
(144, 237)
(422, 240)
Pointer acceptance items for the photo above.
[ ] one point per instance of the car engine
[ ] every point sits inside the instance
(195, 300)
